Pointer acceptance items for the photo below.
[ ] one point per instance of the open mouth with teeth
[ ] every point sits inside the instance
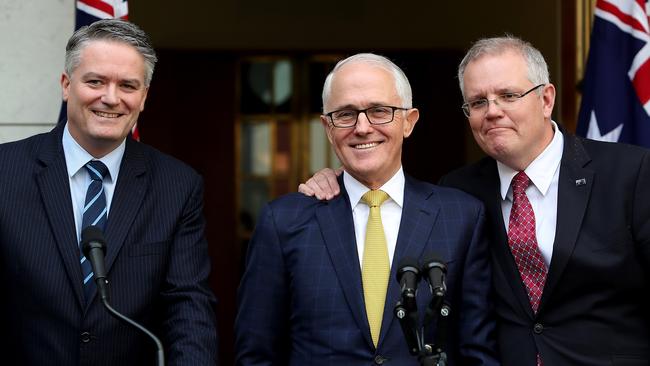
(107, 115)
(366, 145)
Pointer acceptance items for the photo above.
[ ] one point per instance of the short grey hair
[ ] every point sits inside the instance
(402, 84)
(537, 67)
(115, 30)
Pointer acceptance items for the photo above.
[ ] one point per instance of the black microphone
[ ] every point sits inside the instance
(408, 276)
(93, 246)
(434, 270)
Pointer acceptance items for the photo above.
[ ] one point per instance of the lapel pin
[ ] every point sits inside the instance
(581, 182)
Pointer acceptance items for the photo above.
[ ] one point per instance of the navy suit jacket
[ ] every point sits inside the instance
(301, 299)
(594, 309)
(156, 259)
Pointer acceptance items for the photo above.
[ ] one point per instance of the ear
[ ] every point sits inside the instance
(144, 98)
(327, 126)
(548, 100)
(412, 116)
(65, 86)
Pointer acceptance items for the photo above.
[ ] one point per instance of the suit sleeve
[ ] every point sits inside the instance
(641, 213)
(477, 319)
(189, 324)
(261, 326)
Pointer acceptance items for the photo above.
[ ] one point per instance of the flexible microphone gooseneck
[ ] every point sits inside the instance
(93, 246)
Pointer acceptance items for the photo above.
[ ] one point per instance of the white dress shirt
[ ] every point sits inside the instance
(75, 159)
(542, 192)
(391, 210)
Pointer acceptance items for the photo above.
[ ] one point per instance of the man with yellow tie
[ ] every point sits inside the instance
(319, 287)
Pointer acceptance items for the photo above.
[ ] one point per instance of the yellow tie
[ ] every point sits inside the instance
(375, 268)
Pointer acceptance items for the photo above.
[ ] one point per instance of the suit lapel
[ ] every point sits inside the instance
(129, 194)
(337, 227)
(491, 197)
(54, 186)
(419, 215)
(574, 188)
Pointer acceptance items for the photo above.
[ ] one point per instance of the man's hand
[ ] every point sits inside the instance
(323, 184)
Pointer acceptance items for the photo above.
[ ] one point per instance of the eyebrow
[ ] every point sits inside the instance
(503, 90)
(352, 106)
(94, 75)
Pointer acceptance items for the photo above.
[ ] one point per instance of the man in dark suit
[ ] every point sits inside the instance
(579, 296)
(151, 214)
(316, 290)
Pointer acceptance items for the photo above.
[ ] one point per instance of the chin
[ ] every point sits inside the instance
(109, 136)
(499, 152)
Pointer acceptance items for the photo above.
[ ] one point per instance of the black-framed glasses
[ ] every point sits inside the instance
(377, 115)
(505, 101)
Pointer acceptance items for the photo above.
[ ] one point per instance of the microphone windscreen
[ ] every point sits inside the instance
(433, 260)
(92, 233)
(92, 237)
(407, 264)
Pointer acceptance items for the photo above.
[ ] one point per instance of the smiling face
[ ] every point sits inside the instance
(514, 137)
(105, 94)
(370, 153)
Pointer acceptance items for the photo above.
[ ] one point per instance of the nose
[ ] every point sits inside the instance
(363, 125)
(493, 109)
(110, 96)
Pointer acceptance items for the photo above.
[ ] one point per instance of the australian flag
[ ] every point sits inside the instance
(89, 11)
(616, 88)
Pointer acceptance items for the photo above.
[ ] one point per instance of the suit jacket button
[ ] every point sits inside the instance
(379, 360)
(85, 337)
(538, 328)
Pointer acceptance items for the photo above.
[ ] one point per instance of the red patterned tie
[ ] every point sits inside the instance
(523, 243)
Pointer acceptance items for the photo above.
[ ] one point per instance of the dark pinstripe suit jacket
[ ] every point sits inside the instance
(156, 259)
(301, 300)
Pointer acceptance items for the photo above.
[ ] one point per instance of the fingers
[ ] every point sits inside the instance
(323, 184)
(304, 189)
(330, 185)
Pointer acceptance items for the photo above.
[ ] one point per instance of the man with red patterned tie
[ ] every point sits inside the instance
(569, 218)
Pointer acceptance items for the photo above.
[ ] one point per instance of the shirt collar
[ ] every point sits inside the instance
(537, 171)
(76, 156)
(394, 187)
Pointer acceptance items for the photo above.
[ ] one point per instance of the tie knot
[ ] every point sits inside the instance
(96, 169)
(520, 182)
(374, 198)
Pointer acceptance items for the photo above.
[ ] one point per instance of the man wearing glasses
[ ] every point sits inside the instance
(569, 218)
(319, 286)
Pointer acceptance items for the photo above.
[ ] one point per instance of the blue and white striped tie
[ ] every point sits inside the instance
(94, 213)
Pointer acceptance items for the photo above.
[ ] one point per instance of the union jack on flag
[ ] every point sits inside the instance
(616, 88)
(89, 11)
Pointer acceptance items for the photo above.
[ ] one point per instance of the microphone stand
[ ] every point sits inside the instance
(406, 311)
(93, 246)
(427, 354)
(102, 288)
(434, 354)
(408, 321)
